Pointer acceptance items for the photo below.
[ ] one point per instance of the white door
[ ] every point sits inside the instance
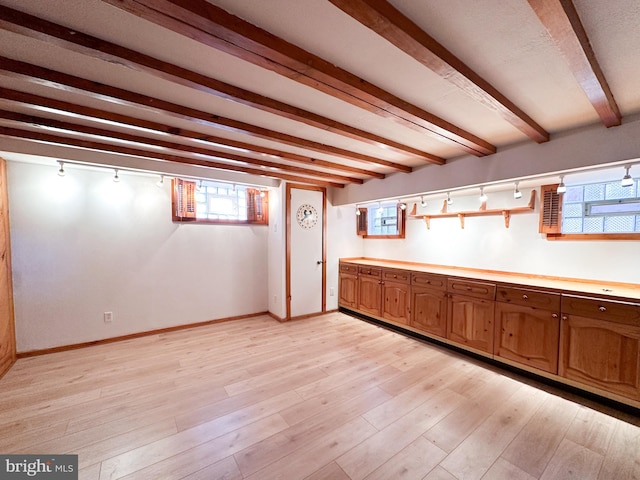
(306, 258)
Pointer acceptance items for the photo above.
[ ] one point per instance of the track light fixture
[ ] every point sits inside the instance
(516, 192)
(358, 212)
(562, 188)
(627, 181)
(449, 201)
(423, 202)
(61, 172)
(160, 183)
(483, 196)
(403, 206)
(116, 178)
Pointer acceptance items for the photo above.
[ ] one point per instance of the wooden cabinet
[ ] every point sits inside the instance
(600, 344)
(395, 296)
(470, 314)
(370, 290)
(592, 343)
(429, 303)
(528, 327)
(7, 330)
(348, 285)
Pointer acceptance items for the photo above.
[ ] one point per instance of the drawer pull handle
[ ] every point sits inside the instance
(602, 309)
(525, 296)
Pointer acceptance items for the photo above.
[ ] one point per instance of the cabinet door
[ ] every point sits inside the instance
(527, 335)
(348, 291)
(429, 310)
(470, 322)
(395, 302)
(601, 353)
(369, 295)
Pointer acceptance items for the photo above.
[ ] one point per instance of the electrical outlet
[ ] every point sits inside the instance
(331, 292)
(108, 317)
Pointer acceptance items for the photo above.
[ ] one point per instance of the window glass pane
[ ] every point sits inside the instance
(615, 208)
(572, 209)
(594, 225)
(637, 223)
(594, 192)
(572, 225)
(615, 190)
(619, 224)
(573, 194)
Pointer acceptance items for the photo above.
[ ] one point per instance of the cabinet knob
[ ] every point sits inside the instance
(395, 276)
(602, 309)
(525, 296)
(554, 315)
(564, 317)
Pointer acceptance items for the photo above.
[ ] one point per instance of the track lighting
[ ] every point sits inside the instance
(199, 187)
(358, 212)
(403, 206)
(449, 201)
(561, 186)
(61, 172)
(516, 192)
(160, 182)
(116, 178)
(483, 196)
(380, 210)
(627, 181)
(262, 193)
(423, 202)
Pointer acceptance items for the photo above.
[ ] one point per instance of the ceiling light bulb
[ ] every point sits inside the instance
(449, 201)
(423, 202)
(160, 182)
(403, 206)
(358, 212)
(116, 178)
(483, 196)
(517, 193)
(61, 172)
(199, 186)
(627, 181)
(562, 188)
(262, 193)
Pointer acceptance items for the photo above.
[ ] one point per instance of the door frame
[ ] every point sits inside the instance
(323, 190)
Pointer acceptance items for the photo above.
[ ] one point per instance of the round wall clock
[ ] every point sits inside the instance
(307, 216)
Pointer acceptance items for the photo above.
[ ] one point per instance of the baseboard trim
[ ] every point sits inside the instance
(75, 346)
(276, 317)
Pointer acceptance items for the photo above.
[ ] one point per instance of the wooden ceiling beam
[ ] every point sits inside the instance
(215, 144)
(136, 152)
(388, 22)
(562, 22)
(213, 26)
(63, 81)
(21, 120)
(34, 27)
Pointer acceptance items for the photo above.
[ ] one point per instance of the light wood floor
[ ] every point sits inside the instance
(330, 397)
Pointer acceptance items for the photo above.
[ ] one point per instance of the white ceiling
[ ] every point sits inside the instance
(502, 41)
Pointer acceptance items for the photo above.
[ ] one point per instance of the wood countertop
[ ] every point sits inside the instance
(601, 289)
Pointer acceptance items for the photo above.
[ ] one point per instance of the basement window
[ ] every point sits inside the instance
(595, 211)
(381, 221)
(217, 202)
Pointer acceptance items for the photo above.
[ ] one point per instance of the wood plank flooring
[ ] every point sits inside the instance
(330, 397)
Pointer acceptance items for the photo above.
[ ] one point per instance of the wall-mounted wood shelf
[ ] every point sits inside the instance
(505, 212)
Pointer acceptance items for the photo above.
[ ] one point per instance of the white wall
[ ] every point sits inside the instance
(83, 245)
(485, 243)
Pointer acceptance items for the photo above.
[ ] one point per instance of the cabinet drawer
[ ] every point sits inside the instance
(400, 276)
(370, 271)
(529, 298)
(610, 310)
(348, 268)
(428, 280)
(472, 289)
